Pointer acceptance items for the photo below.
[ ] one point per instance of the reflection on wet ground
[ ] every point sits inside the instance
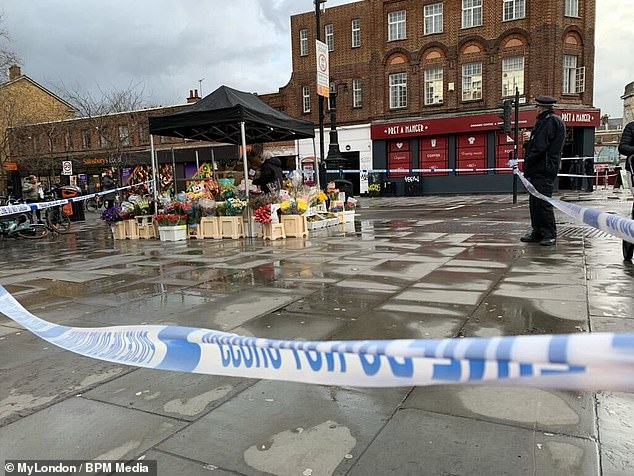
(427, 267)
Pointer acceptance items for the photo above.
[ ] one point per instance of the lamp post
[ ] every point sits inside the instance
(334, 153)
(322, 164)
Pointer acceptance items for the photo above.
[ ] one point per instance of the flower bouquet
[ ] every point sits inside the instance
(112, 215)
(235, 206)
(351, 204)
(317, 198)
(262, 214)
(170, 219)
(293, 207)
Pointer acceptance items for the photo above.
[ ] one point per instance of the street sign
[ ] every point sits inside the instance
(67, 167)
(323, 69)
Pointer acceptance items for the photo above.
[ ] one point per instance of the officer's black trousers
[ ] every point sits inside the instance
(542, 214)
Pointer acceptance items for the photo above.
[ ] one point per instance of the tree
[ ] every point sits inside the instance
(7, 57)
(113, 116)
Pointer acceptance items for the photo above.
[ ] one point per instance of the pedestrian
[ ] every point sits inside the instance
(271, 175)
(542, 158)
(626, 146)
(32, 192)
(108, 183)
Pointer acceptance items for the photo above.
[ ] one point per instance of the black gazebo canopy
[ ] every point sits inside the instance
(218, 117)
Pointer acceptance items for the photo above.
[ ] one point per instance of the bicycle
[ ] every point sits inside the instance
(56, 220)
(19, 226)
(95, 203)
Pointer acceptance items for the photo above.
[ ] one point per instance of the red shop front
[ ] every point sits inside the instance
(454, 154)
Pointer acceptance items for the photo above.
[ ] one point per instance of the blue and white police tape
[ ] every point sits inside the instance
(28, 207)
(616, 225)
(600, 361)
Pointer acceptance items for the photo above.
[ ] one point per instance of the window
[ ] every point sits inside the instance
(144, 134)
(433, 86)
(124, 136)
(512, 75)
(471, 13)
(571, 8)
(513, 9)
(68, 143)
(433, 18)
(396, 25)
(356, 33)
(471, 81)
(103, 134)
(330, 36)
(574, 78)
(398, 90)
(306, 99)
(85, 138)
(303, 42)
(356, 93)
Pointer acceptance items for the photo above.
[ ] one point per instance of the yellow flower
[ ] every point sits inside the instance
(301, 205)
(284, 205)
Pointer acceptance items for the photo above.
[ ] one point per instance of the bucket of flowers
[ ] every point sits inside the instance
(114, 218)
(293, 218)
(172, 227)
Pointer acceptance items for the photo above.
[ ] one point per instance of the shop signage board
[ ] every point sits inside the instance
(323, 69)
(433, 155)
(67, 167)
(472, 153)
(475, 123)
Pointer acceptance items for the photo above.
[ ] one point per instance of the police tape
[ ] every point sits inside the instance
(28, 207)
(611, 223)
(598, 361)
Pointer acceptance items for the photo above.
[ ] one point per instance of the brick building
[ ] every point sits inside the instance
(419, 83)
(23, 101)
(119, 142)
(418, 86)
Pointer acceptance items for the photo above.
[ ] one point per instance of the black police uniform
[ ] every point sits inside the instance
(541, 165)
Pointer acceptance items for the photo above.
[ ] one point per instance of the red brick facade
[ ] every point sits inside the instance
(542, 36)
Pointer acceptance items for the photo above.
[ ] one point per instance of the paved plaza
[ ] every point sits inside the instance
(410, 267)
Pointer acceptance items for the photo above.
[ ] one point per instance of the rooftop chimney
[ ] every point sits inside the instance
(193, 96)
(14, 72)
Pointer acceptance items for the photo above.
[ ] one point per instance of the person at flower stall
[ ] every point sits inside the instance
(271, 175)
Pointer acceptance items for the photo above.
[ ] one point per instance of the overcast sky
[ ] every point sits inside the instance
(167, 46)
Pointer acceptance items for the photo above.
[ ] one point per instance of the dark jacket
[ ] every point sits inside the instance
(543, 150)
(270, 173)
(626, 146)
(108, 184)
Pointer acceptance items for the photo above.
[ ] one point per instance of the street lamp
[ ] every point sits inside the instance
(322, 162)
(334, 159)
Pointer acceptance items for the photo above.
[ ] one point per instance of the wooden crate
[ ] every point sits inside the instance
(273, 231)
(295, 225)
(231, 227)
(209, 228)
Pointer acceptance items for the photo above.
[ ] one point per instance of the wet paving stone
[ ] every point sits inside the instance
(432, 267)
(286, 428)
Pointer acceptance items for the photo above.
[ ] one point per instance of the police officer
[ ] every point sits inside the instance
(542, 157)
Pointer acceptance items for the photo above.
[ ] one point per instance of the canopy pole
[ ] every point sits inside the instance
(154, 181)
(246, 176)
(316, 165)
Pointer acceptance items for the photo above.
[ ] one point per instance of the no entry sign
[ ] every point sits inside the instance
(67, 167)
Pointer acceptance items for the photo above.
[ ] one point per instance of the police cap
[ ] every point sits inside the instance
(546, 101)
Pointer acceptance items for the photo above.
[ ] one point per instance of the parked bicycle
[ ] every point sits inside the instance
(56, 219)
(94, 203)
(19, 226)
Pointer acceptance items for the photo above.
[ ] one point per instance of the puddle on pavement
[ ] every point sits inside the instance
(501, 315)
(314, 451)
